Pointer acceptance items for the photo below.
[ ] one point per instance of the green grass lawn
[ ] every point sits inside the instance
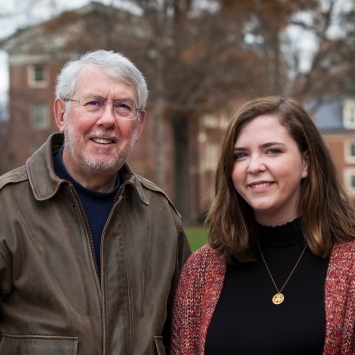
(196, 237)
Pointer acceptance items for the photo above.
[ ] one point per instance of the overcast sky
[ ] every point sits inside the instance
(4, 77)
(8, 26)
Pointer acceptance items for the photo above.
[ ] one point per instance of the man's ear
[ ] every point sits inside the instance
(59, 110)
(142, 114)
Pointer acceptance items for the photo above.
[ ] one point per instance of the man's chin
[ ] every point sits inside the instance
(102, 165)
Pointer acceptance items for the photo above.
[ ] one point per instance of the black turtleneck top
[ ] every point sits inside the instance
(246, 321)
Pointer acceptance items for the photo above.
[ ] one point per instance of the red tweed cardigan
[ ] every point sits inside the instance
(201, 284)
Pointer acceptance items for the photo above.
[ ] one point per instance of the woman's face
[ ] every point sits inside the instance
(268, 169)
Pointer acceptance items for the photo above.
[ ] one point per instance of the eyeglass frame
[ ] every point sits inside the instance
(137, 109)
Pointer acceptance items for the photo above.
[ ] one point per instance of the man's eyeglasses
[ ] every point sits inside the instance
(121, 108)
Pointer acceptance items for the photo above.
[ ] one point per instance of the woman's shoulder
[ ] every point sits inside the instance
(344, 249)
(205, 254)
(204, 258)
(204, 251)
(342, 257)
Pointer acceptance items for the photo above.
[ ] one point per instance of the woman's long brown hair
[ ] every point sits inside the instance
(327, 213)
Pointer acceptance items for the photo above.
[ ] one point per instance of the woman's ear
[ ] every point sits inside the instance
(305, 161)
(59, 110)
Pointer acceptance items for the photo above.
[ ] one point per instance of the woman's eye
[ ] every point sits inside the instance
(238, 156)
(273, 151)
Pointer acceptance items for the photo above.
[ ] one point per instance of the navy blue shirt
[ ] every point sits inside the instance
(97, 205)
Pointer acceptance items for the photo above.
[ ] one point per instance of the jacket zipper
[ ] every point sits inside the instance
(88, 232)
(104, 334)
(115, 204)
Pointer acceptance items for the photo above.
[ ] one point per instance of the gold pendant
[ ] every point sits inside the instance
(278, 298)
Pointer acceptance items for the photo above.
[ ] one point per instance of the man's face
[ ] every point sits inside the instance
(99, 141)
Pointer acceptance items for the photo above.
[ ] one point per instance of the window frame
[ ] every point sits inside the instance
(349, 176)
(349, 114)
(38, 123)
(33, 82)
(349, 145)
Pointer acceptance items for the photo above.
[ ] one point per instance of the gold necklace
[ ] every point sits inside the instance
(278, 298)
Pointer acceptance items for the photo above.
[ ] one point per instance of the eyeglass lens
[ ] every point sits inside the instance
(122, 108)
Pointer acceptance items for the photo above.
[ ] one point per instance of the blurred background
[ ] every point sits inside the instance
(201, 58)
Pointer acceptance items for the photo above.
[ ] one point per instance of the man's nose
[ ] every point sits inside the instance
(107, 118)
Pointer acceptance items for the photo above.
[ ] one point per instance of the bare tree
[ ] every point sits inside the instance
(332, 68)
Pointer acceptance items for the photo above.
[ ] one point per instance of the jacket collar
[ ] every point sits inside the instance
(45, 183)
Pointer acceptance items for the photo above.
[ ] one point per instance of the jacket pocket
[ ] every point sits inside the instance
(159, 348)
(38, 345)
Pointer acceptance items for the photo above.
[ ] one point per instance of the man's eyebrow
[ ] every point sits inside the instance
(124, 98)
(96, 96)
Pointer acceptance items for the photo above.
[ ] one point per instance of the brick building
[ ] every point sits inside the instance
(335, 118)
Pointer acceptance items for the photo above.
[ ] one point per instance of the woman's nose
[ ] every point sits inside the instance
(256, 164)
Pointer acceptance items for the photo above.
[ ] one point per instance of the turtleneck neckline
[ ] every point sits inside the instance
(279, 236)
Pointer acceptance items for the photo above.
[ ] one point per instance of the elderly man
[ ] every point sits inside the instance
(90, 253)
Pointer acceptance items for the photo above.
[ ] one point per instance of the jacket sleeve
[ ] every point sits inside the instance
(183, 253)
(340, 301)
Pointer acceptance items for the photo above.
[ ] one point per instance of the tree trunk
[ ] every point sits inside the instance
(159, 139)
(182, 168)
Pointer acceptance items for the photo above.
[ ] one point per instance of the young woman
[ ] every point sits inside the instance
(278, 275)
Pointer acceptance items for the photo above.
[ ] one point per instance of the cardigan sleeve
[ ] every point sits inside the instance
(340, 301)
(197, 294)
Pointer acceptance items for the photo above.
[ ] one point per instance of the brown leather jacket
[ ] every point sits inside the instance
(53, 300)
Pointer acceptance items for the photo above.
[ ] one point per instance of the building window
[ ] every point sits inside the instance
(211, 157)
(39, 116)
(349, 177)
(39, 73)
(349, 114)
(216, 121)
(349, 147)
(37, 76)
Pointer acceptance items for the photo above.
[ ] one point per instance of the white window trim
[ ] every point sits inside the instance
(348, 173)
(211, 157)
(46, 122)
(348, 157)
(31, 77)
(347, 107)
